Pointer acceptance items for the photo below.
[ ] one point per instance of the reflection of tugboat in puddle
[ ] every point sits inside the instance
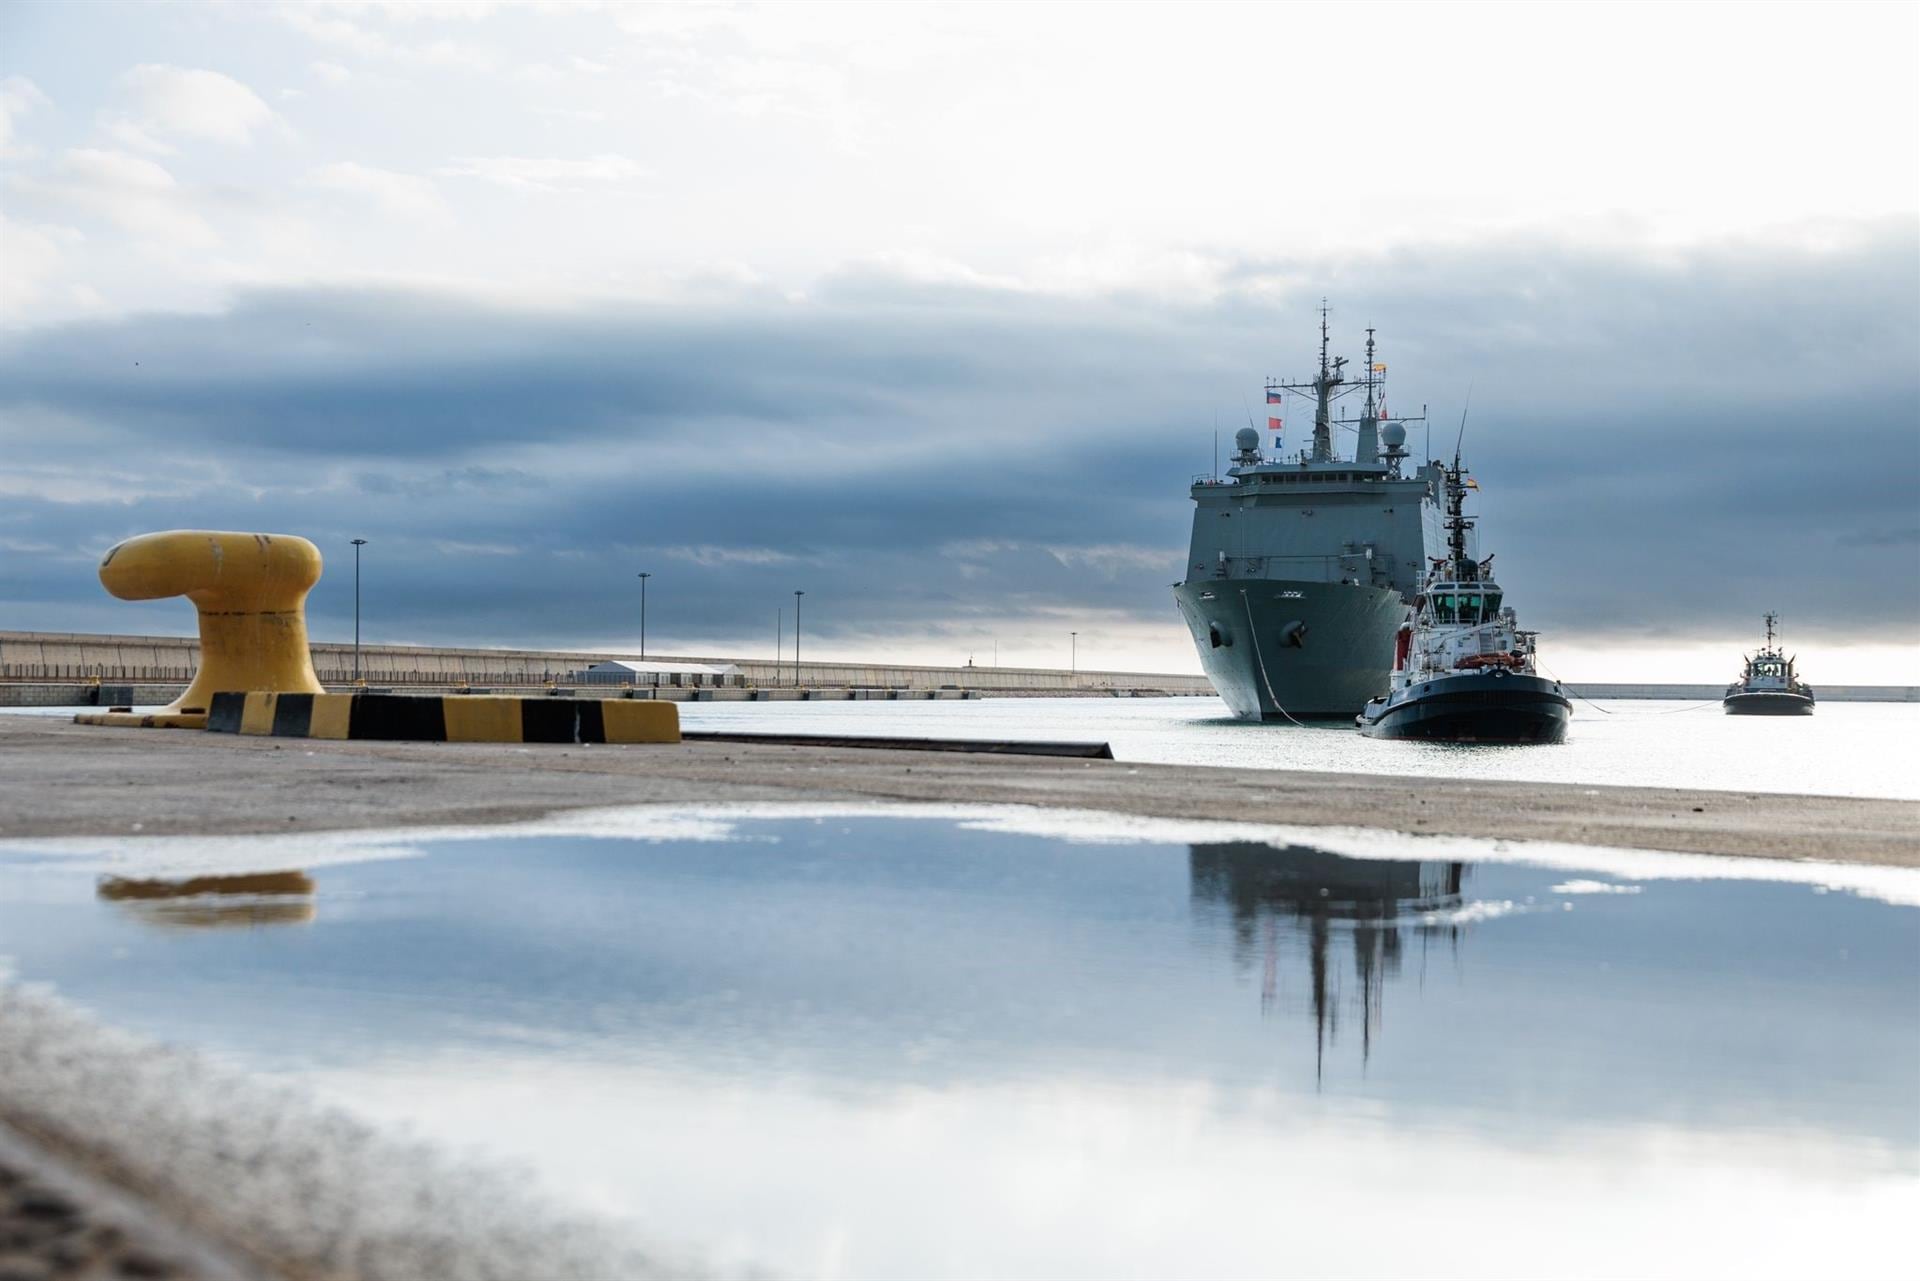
(1318, 894)
(1463, 670)
(1768, 686)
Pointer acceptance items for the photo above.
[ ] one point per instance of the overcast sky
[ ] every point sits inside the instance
(932, 311)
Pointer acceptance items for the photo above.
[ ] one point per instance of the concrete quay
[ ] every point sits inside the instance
(61, 779)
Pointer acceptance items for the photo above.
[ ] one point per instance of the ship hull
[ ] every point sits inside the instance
(1474, 707)
(1277, 649)
(1772, 703)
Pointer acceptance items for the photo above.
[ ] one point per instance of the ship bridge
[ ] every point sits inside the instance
(1316, 517)
(1464, 603)
(1323, 522)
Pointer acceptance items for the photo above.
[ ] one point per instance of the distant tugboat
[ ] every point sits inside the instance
(1768, 686)
(1463, 670)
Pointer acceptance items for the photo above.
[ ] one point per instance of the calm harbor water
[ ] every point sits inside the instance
(878, 1044)
(1845, 749)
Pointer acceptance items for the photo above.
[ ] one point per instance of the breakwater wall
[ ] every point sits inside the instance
(108, 694)
(66, 657)
(1702, 693)
(158, 664)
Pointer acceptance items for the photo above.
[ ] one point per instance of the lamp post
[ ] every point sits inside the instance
(796, 638)
(358, 543)
(1073, 653)
(643, 616)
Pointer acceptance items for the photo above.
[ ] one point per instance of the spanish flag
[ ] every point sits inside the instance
(1379, 369)
(1472, 483)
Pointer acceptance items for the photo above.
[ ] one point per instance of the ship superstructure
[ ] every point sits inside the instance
(1768, 684)
(1301, 568)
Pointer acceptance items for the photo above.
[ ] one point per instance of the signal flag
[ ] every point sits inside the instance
(1275, 398)
(1273, 424)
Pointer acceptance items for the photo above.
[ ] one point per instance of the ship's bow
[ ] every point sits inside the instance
(1277, 649)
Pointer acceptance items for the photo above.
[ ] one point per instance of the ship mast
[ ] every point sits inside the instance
(1332, 382)
(1371, 412)
(1458, 523)
(1323, 388)
(1330, 377)
(1771, 620)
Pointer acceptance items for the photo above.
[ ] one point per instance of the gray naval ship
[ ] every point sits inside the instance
(1302, 568)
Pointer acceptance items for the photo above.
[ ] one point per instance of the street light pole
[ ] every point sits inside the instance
(643, 616)
(796, 638)
(358, 543)
(1073, 653)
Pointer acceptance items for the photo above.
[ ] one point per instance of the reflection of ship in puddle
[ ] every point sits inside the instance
(1311, 893)
(200, 902)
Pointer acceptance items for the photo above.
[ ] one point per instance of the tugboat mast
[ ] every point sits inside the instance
(1771, 620)
(1458, 523)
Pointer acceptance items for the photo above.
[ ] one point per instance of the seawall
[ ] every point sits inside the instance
(63, 663)
(69, 657)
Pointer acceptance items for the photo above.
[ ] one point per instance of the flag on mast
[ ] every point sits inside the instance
(1273, 424)
(1274, 397)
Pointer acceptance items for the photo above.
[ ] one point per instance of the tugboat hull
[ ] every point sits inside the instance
(1772, 703)
(1477, 707)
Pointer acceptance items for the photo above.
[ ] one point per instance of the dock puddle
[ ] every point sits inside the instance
(998, 1042)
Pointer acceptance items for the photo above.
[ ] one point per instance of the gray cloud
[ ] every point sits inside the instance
(1666, 447)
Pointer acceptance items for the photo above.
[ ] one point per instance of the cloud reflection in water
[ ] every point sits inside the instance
(988, 1043)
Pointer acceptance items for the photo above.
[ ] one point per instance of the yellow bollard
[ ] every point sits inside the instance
(251, 591)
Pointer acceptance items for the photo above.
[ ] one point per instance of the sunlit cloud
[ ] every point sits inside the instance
(406, 195)
(166, 102)
(18, 97)
(551, 174)
(133, 194)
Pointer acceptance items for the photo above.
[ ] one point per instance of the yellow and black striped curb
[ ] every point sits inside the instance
(144, 720)
(452, 718)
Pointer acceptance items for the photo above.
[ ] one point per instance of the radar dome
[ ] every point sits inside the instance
(1246, 440)
(1393, 435)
